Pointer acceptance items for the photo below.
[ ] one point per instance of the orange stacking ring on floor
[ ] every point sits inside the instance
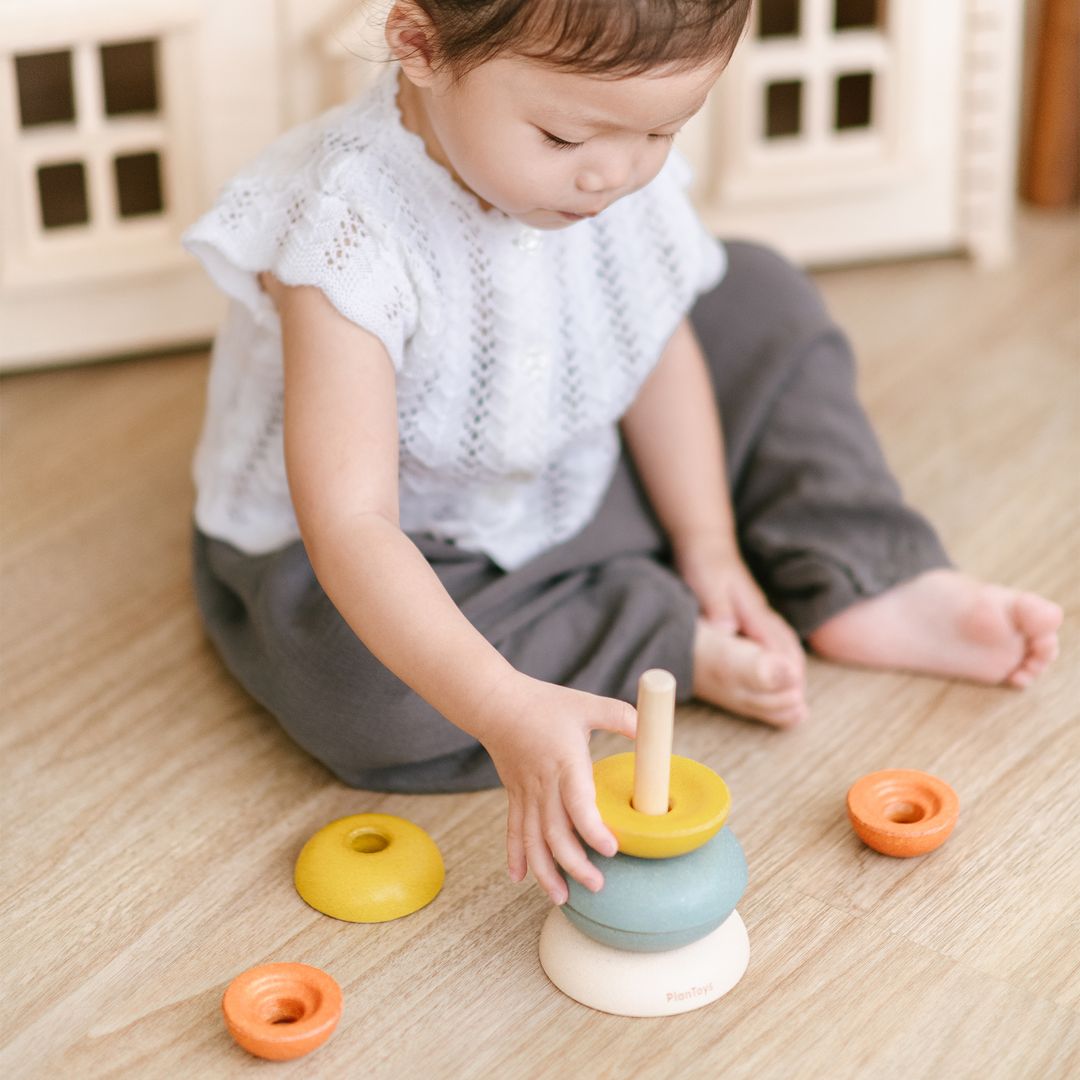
(902, 812)
(282, 1011)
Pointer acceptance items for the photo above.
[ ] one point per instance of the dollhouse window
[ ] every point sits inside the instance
(858, 14)
(819, 67)
(783, 109)
(93, 132)
(138, 184)
(46, 89)
(62, 195)
(778, 18)
(854, 100)
(129, 77)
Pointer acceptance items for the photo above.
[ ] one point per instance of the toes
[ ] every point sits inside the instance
(773, 673)
(1035, 616)
(1038, 659)
(789, 718)
(785, 709)
(1044, 649)
(781, 638)
(794, 713)
(749, 680)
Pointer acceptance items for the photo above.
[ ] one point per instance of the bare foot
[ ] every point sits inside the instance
(946, 623)
(740, 675)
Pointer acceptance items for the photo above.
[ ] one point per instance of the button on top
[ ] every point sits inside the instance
(528, 239)
(535, 360)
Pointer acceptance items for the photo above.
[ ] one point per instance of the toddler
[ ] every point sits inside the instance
(494, 425)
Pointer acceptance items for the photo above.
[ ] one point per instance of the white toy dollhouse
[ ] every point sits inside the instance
(843, 130)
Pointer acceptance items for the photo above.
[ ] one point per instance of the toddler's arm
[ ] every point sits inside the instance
(341, 457)
(673, 432)
(674, 436)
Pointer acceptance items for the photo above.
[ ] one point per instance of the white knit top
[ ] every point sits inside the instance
(516, 350)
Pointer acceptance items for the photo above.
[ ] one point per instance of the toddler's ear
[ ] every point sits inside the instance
(411, 38)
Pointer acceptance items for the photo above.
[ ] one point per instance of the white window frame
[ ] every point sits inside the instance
(108, 245)
(824, 159)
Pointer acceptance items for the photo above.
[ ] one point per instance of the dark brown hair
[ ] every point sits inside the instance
(615, 38)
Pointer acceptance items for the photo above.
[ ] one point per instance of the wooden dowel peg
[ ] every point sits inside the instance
(652, 752)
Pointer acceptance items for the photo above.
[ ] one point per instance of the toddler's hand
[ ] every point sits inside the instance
(537, 734)
(730, 598)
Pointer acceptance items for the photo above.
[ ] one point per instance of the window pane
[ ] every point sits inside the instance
(783, 109)
(778, 18)
(850, 14)
(62, 195)
(129, 74)
(46, 90)
(854, 100)
(138, 184)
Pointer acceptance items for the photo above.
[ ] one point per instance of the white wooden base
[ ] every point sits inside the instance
(643, 984)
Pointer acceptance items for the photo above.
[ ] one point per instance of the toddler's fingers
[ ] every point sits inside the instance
(539, 856)
(763, 625)
(783, 630)
(566, 847)
(718, 609)
(617, 716)
(515, 839)
(789, 643)
(579, 797)
(756, 617)
(780, 636)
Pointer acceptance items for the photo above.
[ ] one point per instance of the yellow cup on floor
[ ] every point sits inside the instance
(369, 868)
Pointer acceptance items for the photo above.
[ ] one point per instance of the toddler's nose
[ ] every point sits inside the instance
(604, 178)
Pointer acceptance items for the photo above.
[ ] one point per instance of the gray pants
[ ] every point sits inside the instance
(821, 524)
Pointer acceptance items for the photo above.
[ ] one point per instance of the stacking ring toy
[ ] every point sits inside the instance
(698, 806)
(652, 905)
(369, 868)
(643, 983)
(902, 812)
(282, 1011)
(662, 936)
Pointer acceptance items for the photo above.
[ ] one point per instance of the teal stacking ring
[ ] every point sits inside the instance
(650, 905)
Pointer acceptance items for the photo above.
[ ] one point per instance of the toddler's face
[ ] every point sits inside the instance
(550, 147)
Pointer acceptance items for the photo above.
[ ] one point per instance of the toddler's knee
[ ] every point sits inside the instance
(394, 743)
(772, 279)
(370, 726)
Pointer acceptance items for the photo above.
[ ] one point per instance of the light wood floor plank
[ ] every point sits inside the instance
(152, 812)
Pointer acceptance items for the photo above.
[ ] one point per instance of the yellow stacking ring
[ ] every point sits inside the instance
(369, 868)
(699, 806)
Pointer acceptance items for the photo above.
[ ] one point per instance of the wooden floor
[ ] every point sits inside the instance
(152, 813)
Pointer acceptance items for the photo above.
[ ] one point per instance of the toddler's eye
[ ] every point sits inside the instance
(668, 138)
(554, 140)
